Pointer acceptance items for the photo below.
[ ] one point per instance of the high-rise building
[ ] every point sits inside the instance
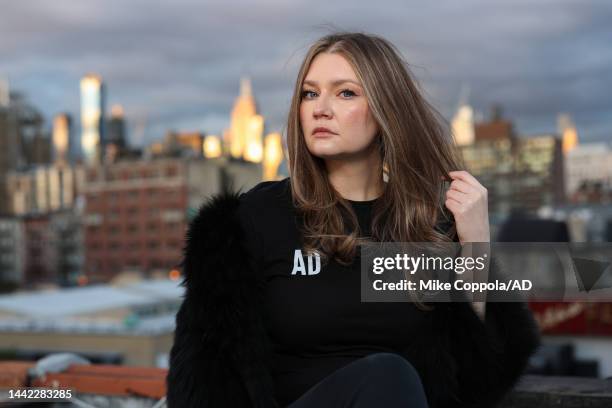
(463, 126)
(52, 245)
(466, 130)
(136, 211)
(244, 137)
(11, 251)
(62, 138)
(9, 154)
(34, 141)
(116, 141)
(589, 163)
(178, 144)
(273, 156)
(462, 123)
(212, 147)
(42, 189)
(521, 173)
(539, 175)
(116, 127)
(135, 215)
(496, 129)
(92, 118)
(23, 141)
(568, 132)
(4, 93)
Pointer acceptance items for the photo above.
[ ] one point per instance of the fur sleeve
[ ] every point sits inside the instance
(490, 356)
(466, 362)
(219, 351)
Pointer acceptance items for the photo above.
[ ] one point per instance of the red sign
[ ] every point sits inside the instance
(575, 318)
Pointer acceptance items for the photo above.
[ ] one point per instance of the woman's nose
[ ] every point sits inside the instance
(322, 107)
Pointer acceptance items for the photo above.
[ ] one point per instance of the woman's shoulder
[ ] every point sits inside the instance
(267, 194)
(260, 211)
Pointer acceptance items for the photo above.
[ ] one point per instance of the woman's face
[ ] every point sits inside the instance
(333, 98)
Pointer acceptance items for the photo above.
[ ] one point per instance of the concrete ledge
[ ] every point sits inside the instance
(555, 392)
(143, 385)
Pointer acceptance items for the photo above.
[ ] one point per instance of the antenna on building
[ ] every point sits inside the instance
(140, 129)
(464, 95)
(245, 86)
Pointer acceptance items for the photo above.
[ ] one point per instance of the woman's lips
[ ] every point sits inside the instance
(323, 134)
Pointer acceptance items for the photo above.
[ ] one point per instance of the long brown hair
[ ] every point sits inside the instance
(414, 142)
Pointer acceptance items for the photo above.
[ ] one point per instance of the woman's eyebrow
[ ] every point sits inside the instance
(333, 83)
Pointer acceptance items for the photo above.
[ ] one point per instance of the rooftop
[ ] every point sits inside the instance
(151, 308)
(89, 299)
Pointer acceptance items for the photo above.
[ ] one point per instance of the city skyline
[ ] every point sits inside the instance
(179, 66)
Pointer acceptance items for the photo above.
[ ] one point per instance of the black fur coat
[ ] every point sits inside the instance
(220, 352)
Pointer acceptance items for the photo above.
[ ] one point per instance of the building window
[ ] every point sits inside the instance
(173, 244)
(171, 171)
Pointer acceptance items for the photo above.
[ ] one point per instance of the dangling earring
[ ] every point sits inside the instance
(381, 149)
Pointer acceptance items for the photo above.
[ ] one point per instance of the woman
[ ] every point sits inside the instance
(272, 314)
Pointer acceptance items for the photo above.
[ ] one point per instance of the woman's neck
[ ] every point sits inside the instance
(356, 179)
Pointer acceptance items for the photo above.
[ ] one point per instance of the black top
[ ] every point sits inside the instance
(314, 315)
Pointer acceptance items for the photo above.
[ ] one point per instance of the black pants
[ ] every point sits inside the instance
(378, 380)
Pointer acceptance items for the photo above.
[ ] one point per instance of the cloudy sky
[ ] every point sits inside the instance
(177, 64)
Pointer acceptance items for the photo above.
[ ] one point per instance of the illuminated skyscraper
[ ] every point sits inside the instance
(463, 121)
(92, 118)
(463, 126)
(569, 134)
(273, 156)
(244, 137)
(212, 147)
(62, 125)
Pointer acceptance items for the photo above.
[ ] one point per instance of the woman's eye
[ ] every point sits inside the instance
(306, 94)
(347, 93)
